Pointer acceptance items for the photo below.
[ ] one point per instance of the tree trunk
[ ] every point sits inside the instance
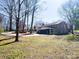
(72, 31)
(24, 22)
(17, 30)
(27, 20)
(10, 27)
(17, 22)
(31, 29)
(26, 14)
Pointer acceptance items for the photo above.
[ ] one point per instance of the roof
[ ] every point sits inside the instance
(51, 26)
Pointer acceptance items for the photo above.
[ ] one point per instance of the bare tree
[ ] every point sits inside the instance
(17, 21)
(7, 7)
(30, 9)
(14, 8)
(70, 11)
(17, 11)
(34, 8)
(26, 3)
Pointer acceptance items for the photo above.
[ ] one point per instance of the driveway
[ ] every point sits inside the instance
(20, 34)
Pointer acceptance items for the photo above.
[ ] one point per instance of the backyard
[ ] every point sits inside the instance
(38, 47)
(39, 29)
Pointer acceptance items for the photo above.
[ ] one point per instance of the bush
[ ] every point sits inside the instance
(72, 37)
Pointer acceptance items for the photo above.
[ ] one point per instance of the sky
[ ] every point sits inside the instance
(50, 8)
(48, 11)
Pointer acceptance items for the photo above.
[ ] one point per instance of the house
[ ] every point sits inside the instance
(58, 28)
(45, 30)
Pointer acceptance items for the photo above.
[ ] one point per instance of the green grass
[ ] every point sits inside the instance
(76, 30)
(41, 47)
(1, 30)
(72, 37)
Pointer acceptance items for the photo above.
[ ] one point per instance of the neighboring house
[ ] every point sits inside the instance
(55, 28)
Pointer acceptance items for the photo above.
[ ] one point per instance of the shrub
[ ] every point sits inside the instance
(72, 37)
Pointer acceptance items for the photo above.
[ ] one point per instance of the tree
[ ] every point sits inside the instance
(1, 29)
(70, 11)
(17, 11)
(27, 10)
(34, 8)
(7, 7)
(17, 21)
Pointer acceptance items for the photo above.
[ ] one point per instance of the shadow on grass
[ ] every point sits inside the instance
(7, 43)
(7, 38)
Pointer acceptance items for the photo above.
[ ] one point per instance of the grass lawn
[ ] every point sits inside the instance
(76, 30)
(41, 47)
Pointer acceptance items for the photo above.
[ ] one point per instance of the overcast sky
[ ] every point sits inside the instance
(49, 12)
